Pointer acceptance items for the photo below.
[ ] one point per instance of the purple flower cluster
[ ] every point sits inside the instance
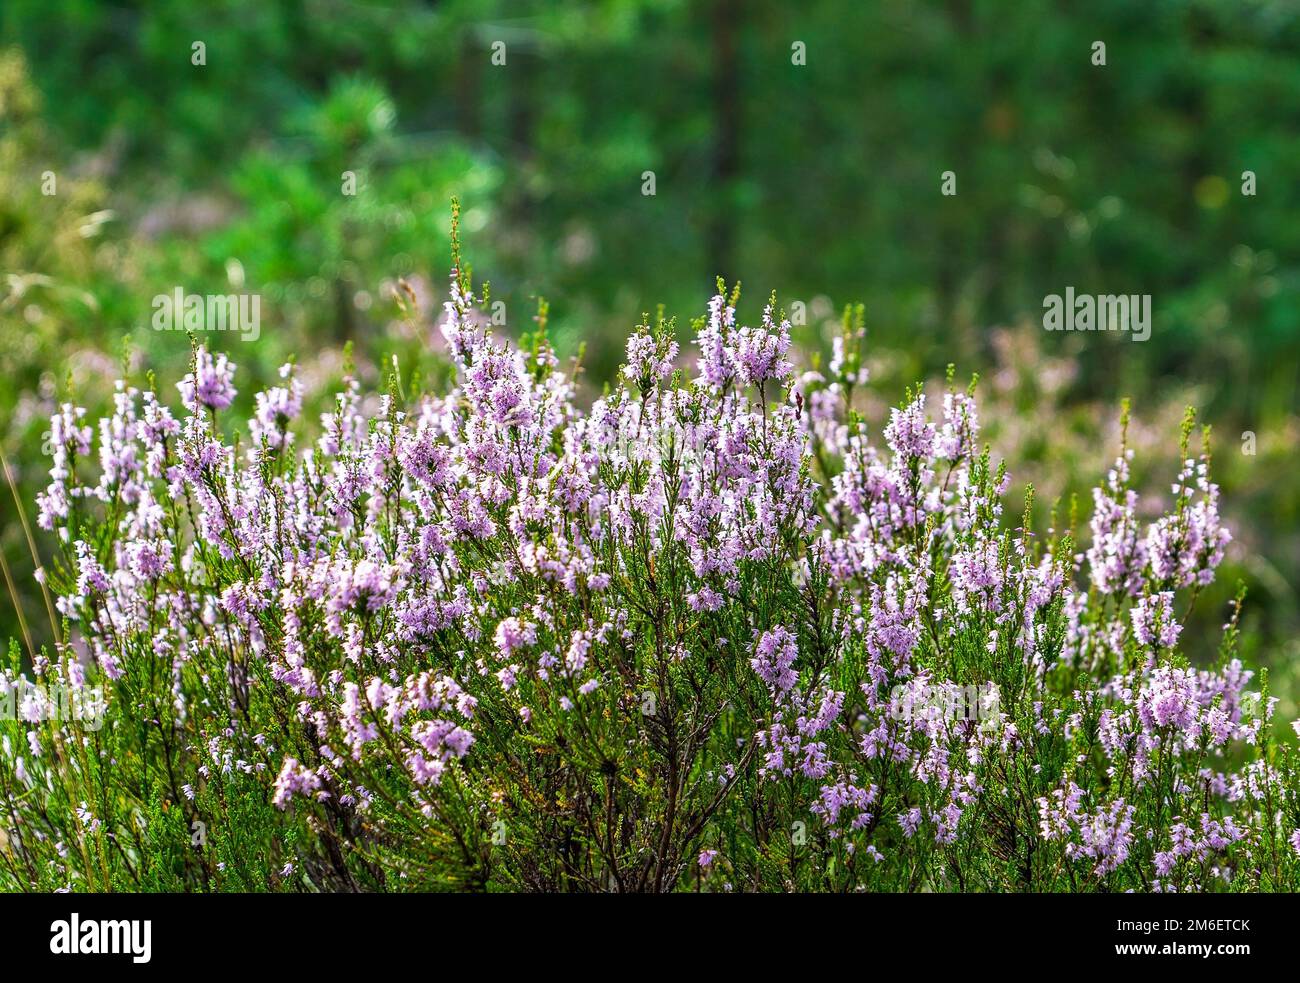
(495, 605)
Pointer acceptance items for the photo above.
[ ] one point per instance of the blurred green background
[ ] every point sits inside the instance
(796, 147)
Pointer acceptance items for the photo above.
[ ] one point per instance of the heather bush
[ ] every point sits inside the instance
(707, 634)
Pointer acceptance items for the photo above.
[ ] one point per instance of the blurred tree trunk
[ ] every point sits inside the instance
(726, 135)
(526, 69)
(469, 71)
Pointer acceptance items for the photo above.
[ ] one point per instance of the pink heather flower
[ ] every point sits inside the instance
(716, 363)
(759, 353)
(513, 634)
(774, 657)
(649, 359)
(1153, 620)
(909, 433)
(293, 780)
(843, 361)
(575, 659)
(149, 560)
(1187, 546)
(209, 384)
(68, 440)
(946, 821)
(275, 409)
(909, 821)
(1118, 553)
(842, 796)
(91, 574)
(957, 436)
(1169, 699)
(1104, 834)
(507, 677)
(87, 818)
